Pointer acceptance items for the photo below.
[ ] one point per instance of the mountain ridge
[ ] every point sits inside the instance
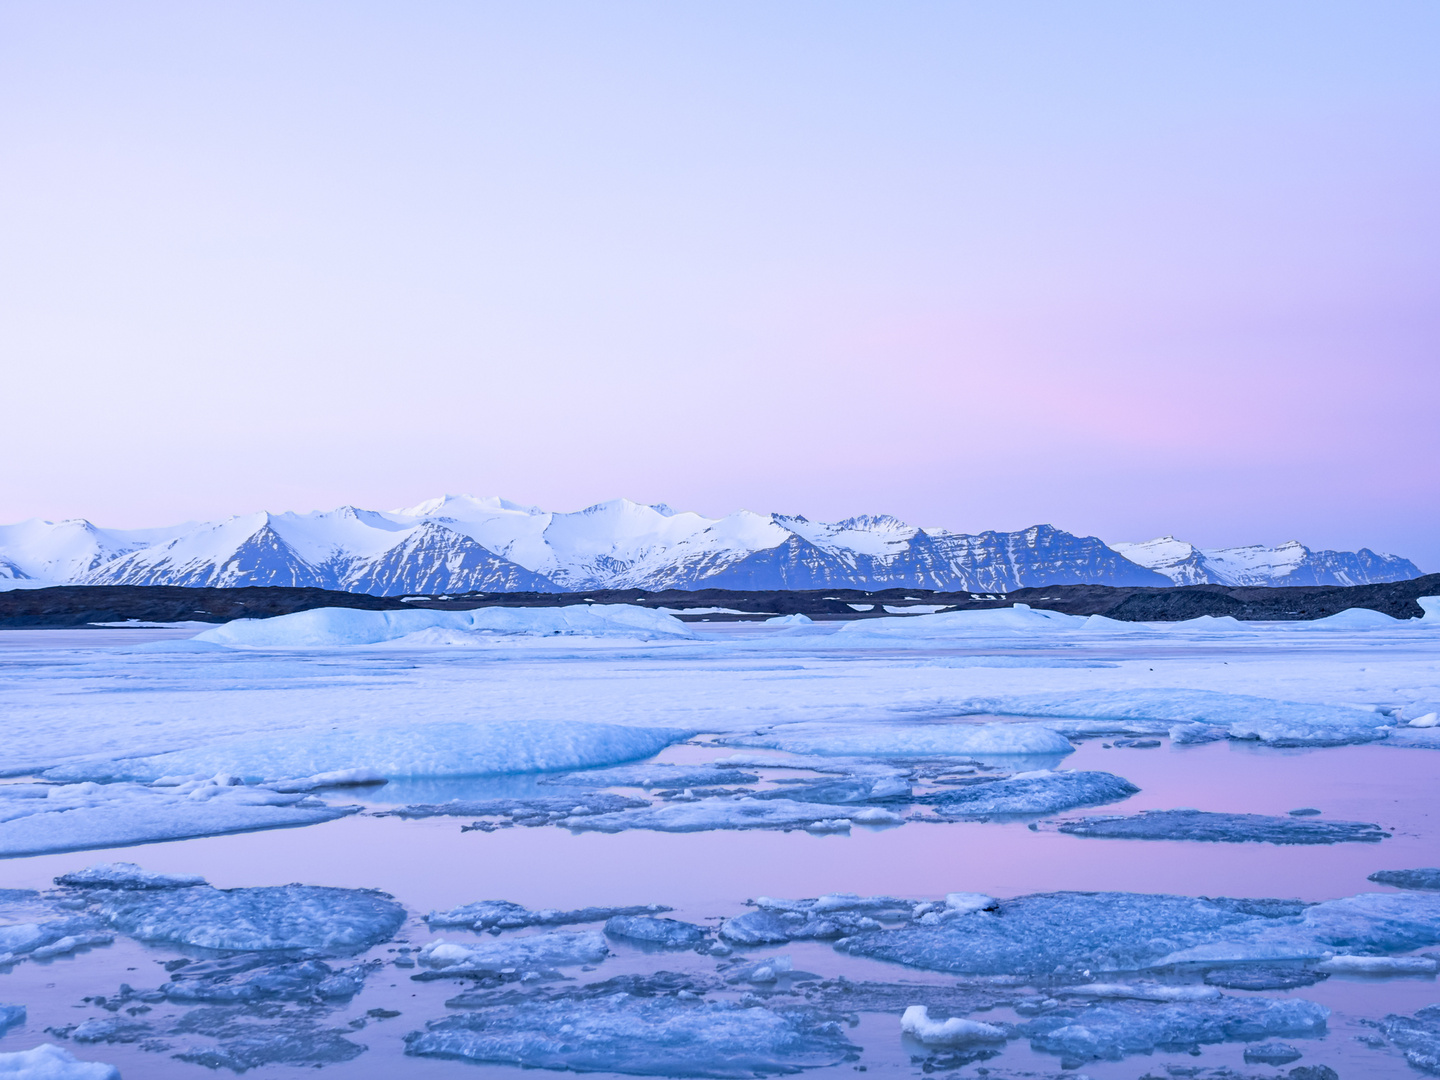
(460, 544)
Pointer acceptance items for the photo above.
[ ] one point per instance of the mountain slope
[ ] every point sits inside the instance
(463, 544)
(1288, 564)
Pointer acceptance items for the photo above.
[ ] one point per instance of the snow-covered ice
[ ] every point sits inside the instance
(125, 875)
(956, 1031)
(329, 628)
(1222, 828)
(649, 1036)
(38, 818)
(50, 1062)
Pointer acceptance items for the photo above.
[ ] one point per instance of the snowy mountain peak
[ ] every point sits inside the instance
(458, 543)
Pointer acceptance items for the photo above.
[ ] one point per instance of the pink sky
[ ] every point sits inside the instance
(1129, 269)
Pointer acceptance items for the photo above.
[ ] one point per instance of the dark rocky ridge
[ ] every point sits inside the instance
(82, 605)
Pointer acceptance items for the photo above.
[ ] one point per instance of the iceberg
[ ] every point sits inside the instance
(1042, 792)
(503, 915)
(1428, 878)
(669, 933)
(550, 950)
(49, 1062)
(391, 751)
(267, 918)
(1347, 964)
(329, 628)
(639, 1036)
(1223, 828)
(79, 817)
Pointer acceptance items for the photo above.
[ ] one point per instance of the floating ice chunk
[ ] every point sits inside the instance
(728, 813)
(10, 1015)
(226, 982)
(1223, 828)
(963, 903)
(1032, 793)
(258, 919)
(1428, 878)
(338, 778)
(1430, 719)
(503, 915)
(77, 817)
(828, 918)
(1418, 1036)
(904, 740)
(1140, 992)
(1271, 1053)
(550, 950)
(532, 810)
(1355, 619)
(671, 933)
(125, 875)
(790, 620)
(650, 1036)
(1262, 977)
(653, 775)
(1378, 965)
(243, 1043)
(328, 628)
(49, 1062)
(956, 1031)
(857, 789)
(1116, 1030)
(53, 937)
(430, 749)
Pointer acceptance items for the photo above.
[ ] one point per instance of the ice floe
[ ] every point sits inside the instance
(48, 938)
(1417, 1037)
(905, 740)
(40, 818)
(1043, 792)
(395, 750)
(50, 1062)
(669, 933)
(1428, 878)
(639, 1036)
(740, 812)
(503, 915)
(328, 628)
(1222, 828)
(548, 950)
(10, 1015)
(1046, 934)
(655, 775)
(248, 979)
(1116, 1030)
(267, 918)
(1271, 1053)
(125, 875)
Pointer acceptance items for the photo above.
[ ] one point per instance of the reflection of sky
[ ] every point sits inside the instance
(1127, 268)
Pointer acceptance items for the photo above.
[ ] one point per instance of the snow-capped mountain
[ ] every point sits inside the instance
(463, 544)
(1287, 564)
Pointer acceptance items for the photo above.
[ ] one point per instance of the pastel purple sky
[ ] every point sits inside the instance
(1130, 268)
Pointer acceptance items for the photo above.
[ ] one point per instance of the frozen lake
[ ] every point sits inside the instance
(883, 736)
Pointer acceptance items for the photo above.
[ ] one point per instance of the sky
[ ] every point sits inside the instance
(1133, 269)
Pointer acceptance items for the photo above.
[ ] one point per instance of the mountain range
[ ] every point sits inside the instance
(461, 544)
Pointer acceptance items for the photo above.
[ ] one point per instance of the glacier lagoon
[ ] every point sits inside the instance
(730, 728)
